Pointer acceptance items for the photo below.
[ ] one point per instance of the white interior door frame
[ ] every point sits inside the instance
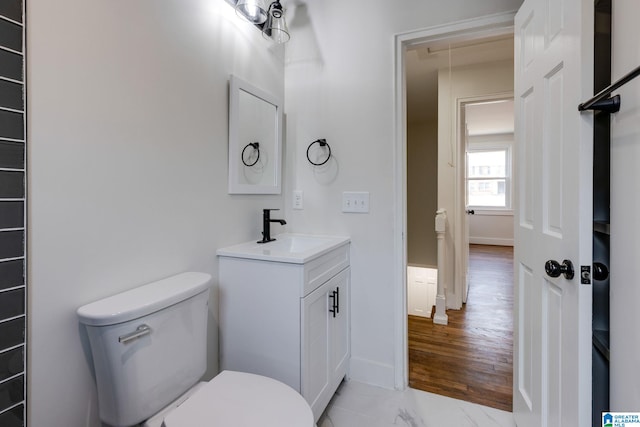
(461, 219)
(475, 28)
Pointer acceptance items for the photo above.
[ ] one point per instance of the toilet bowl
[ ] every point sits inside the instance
(149, 352)
(238, 399)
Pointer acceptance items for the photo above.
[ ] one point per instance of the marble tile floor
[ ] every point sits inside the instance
(360, 405)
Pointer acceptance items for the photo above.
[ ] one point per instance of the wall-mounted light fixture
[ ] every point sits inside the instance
(268, 16)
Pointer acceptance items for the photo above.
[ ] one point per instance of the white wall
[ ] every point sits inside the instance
(458, 85)
(422, 193)
(491, 228)
(127, 151)
(340, 86)
(625, 203)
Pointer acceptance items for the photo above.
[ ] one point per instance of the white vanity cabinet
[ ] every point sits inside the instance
(285, 315)
(325, 341)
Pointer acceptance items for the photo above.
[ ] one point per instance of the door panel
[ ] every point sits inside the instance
(340, 332)
(527, 36)
(552, 157)
(524, 159)
(526, 364)
(552, 306)
(554, 19)
(316, 376)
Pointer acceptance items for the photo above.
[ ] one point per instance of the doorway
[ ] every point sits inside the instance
(486, 174)
(472, 357)
(457, 66)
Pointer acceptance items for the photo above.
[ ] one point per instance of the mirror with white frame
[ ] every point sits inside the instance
(255, 140)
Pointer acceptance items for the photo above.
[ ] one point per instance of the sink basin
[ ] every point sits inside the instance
(292, 248)
(293, 244)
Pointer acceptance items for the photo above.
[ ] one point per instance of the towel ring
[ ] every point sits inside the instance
(256, 147)
(322, 143)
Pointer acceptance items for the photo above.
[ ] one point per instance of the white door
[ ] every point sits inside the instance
(465, 218)
(552, 334)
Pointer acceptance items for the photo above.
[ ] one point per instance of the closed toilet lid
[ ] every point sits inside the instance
(238, 399)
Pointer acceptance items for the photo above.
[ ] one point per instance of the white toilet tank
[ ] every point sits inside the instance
(148, 345)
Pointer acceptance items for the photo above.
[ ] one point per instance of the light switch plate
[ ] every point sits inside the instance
(298, 199)
(355, 201)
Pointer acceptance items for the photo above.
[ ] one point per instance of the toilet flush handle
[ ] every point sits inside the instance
(140, 331)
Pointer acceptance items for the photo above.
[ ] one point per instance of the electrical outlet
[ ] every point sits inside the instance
(298, 199)
(355, 201)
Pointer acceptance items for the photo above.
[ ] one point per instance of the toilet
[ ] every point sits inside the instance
(149, 352)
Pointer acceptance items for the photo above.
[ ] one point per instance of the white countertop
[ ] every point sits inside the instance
(288, 248)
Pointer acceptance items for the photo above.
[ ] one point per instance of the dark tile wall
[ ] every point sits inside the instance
(13, 291)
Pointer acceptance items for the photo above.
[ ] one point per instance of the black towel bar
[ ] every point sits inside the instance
(610, 105)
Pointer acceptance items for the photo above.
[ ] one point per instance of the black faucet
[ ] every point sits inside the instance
(266, 225)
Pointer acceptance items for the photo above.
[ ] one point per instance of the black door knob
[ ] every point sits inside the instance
(471, 212)
(555, 269)
(600, 271)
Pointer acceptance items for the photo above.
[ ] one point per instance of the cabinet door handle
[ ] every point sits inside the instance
(333, 303)
(337, 299)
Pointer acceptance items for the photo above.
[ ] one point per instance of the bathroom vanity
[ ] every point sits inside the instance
(284, 312)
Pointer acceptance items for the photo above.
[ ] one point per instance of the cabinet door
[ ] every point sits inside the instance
(315, 379)
(339, 328)
(325, 341)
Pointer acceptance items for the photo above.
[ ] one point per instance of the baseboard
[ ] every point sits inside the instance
(490, 241)
(370, 372)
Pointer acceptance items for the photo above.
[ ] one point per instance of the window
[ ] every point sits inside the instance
(489, 178)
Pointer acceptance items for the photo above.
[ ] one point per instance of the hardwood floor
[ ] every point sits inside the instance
(472, 357)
